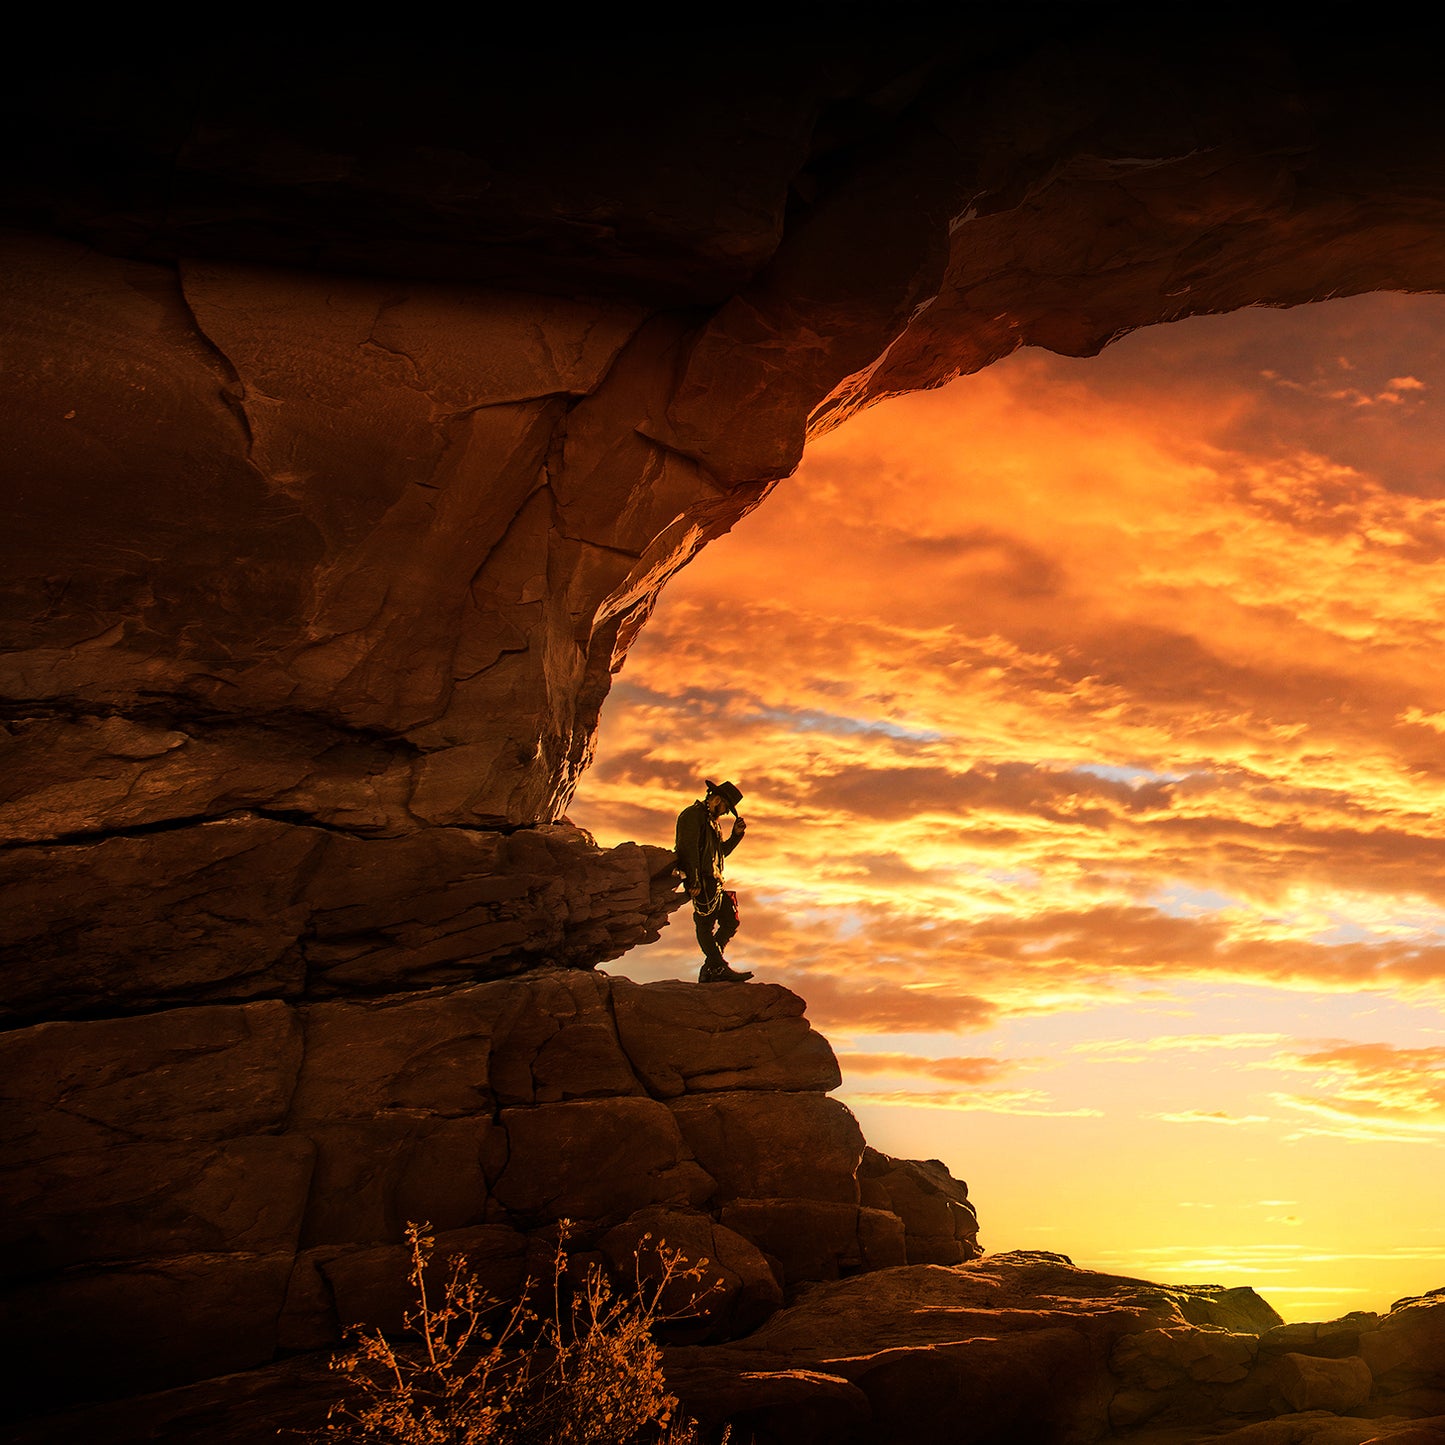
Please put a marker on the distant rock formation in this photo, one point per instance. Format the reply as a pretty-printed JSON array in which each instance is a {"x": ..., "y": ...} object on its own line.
[{"x": 1025, "y": 1347}]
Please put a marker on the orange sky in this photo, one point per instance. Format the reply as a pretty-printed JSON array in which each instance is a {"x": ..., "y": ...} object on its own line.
[{"x": 1091, "y": 717}]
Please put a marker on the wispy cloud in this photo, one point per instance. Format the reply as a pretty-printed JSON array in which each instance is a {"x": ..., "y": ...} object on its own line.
[
  {"x": 950, "y": 1070},
  {"x": 1174, "y": 1044},
  {"x": 982, "y": 1101},
  {"x": 1370, "y": 1093},
  {"x": 1216, "y": 1116}
]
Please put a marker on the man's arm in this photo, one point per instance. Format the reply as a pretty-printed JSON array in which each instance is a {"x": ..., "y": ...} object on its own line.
[{"x": 735, "y": 837}]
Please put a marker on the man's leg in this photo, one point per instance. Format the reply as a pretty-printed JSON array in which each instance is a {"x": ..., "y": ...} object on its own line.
[
  {"x": 727, "y": 921},
  {"x": 720, "y": 927},
  {"x": 714, "y": 964}
]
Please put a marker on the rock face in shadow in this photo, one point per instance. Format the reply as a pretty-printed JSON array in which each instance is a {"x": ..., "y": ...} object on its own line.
[
  {"x": 194, "y": 1190},
  {"x": 357, "y": 410},
  {"x": 1020, "y": 1347},
  {"x": 255, "y": 907},
  {"x": 1026, "y": 1347}
]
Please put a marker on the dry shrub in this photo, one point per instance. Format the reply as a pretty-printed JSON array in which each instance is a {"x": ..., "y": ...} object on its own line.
[{"x": 567, "y": 1364}]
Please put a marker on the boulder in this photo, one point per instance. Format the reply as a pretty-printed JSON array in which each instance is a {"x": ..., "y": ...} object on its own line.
[
  {"x": 556, "y": 1040},
  {"x": 759, "y": 1146},
  {"x": 1329, "y": 1339},
  {"x": 1406, "y": 1356},
  {"x": 814, "y": 1239},
  {"x": 596, "y": 1159},
  {"x": 1308, "y": 1382},
  {"x": 1026, "y": 1346},
  {"x": 975, "y": 1353},
  {"x": 734, "y": 1289},
  {"x": 939, "y": 1221},
  {"x": 721, "y": 1039}
]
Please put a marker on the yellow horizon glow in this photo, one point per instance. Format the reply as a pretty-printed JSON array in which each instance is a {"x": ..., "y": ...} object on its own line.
[{"x": 1091, "y": 721}]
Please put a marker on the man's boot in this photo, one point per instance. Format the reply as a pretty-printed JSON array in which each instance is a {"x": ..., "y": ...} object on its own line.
[{"x": 722, "y": 973}]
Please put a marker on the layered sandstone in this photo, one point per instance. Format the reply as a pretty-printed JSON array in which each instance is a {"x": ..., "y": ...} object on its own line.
[
  {"x": 252, "y": 907},
  {"x": 357, "y": 410},
  {"x": 358, "y": 407},
  {"x": 196, "y": 1190}
]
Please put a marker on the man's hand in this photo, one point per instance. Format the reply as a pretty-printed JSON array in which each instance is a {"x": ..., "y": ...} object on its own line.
[{"x": 740, "y": 826}]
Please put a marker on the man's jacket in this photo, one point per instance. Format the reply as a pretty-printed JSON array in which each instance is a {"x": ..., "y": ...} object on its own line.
[{"x": 700, "y": 847}]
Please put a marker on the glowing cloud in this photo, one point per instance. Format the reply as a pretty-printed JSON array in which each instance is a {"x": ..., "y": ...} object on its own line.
[{"x": 1076, "y": 686}]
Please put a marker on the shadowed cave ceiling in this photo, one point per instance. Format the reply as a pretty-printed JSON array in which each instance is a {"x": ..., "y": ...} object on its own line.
[{"x": 360, "y": 405}]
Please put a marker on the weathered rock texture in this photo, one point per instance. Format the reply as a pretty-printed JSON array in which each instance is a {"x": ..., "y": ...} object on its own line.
[
  {"x": 1013, "y": 1349},
  {"x": 357, "y": 407},
  {"x": 359, "y": 403},
  {"x": 193, "y": 1190},
  {"x": 1025, "y": 1347},
  {"x": 250, "y": 907}
]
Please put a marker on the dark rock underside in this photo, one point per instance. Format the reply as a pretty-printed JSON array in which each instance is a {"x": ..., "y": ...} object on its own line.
[{"x": 358, "y": 404}]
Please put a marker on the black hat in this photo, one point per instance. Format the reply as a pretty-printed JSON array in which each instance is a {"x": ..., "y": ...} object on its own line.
[{"x": 730, "y": 793}]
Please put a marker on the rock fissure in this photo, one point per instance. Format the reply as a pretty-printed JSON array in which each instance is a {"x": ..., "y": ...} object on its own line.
[
  {"x": 233, "y": 393},
  {"x": 320, "y": 390}
]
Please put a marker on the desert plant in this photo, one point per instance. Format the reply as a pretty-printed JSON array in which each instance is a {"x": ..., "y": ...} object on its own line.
[{"x": 568, "y": 1363}]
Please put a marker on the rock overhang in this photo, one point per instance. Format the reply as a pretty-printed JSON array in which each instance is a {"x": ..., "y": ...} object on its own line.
[{"x": 364, "y": 408}]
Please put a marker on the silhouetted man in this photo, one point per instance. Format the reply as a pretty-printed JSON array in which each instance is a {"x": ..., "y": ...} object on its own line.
[{"x": 701, "y": 849}]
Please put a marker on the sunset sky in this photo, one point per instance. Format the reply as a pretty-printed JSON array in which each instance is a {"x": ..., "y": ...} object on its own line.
[{"x": 1091, "y": 721}]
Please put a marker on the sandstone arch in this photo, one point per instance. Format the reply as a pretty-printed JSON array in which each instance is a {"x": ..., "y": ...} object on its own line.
[{"x": 359, "y": 410}]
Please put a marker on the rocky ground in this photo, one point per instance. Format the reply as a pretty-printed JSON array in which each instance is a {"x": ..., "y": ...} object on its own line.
[
  {"x": 210, "y": 1209},
  {"x": 197, "y": 1191}
]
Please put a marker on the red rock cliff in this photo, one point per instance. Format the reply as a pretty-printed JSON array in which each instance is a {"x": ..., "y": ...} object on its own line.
[{"x": 358, "y": 405}]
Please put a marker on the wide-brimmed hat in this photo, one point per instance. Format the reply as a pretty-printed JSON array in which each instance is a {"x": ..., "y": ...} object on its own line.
[{"x": 730, "y": 793}]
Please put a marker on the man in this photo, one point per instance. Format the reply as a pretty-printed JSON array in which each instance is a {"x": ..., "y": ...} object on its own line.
[{"x": 701, "y": 849}]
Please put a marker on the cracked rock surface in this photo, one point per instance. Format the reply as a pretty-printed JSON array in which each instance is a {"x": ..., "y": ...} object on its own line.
[
  {"x": 1025, "y": 1346},
  {"x": 194, "y": 1190},
  {"x": 357, "y": 409}
]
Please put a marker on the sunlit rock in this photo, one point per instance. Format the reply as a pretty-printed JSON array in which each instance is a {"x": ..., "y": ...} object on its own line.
[
  {"x": 938, "y": 1217},
  {"x": 721, "y": 1039}
]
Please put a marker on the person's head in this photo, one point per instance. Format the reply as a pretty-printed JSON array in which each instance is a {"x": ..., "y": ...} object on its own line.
[{"x": 722, "y": 797}]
